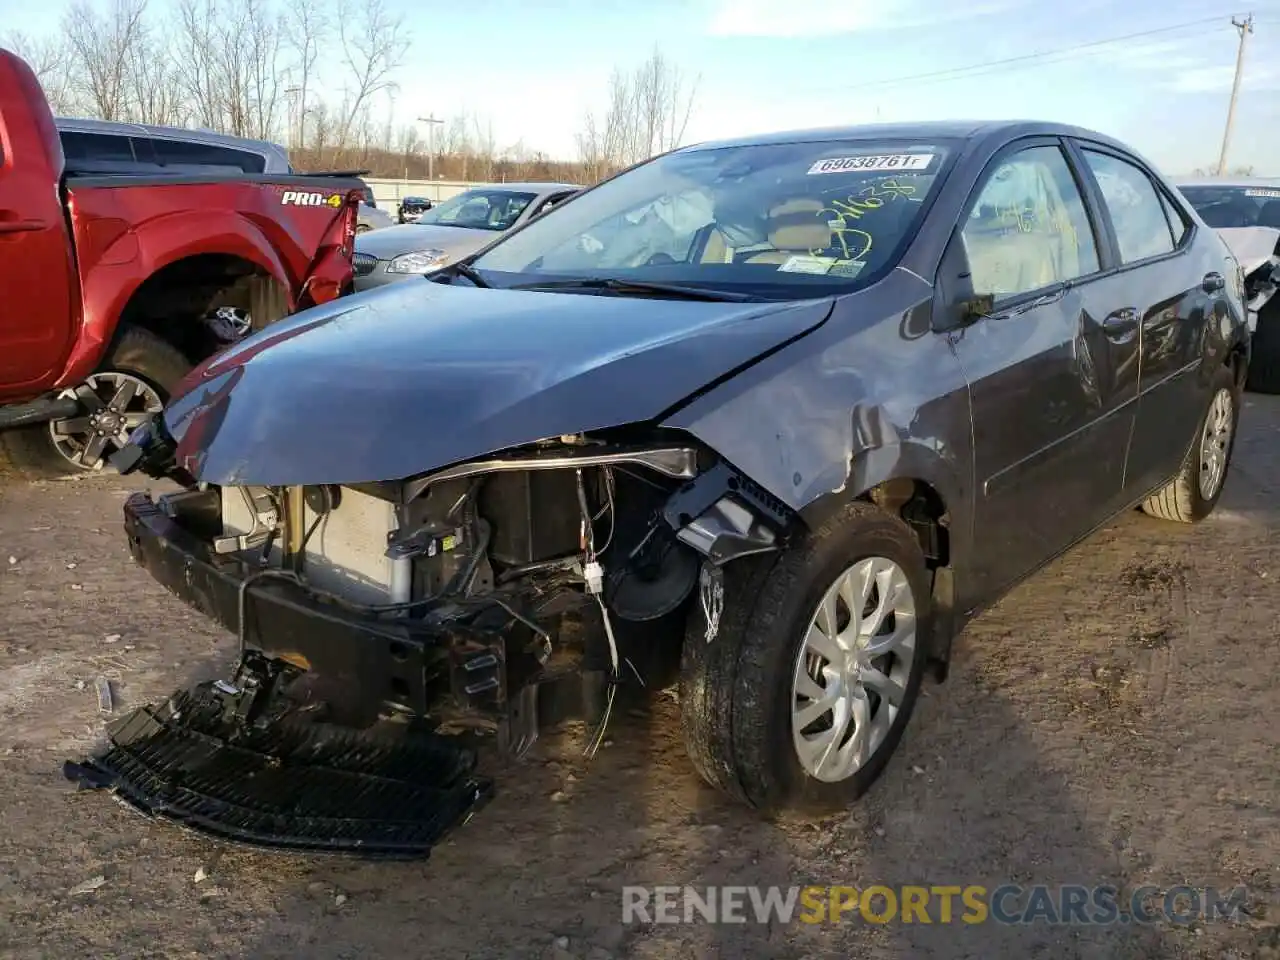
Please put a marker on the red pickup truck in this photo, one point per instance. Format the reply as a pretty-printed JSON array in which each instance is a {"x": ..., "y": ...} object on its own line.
[{"x": 111, "y": 288}]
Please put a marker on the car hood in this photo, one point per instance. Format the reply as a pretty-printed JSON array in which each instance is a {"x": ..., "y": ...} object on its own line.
[
  {"x": 408, "y": 237},
  {"x": 419, "y": 375},
  {"x": 1252, "y": 246}
]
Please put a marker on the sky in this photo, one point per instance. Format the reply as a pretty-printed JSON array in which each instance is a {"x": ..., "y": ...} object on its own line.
[{"x": 534, "y": 67}]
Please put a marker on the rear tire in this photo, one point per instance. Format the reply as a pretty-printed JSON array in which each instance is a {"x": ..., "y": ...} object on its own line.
[
  {"x": 138, "y": 353},
  {"x": 1185, "y": 499},
  {"x": 741, "y": 693},
  {"x": 1264, "y": 365}
]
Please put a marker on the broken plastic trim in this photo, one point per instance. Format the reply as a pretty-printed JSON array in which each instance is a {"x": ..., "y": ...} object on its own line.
[
  {"x": 218, "y": 760},
  {"x": 151, "y": 449},
  {"x": 724, "y": 515}
]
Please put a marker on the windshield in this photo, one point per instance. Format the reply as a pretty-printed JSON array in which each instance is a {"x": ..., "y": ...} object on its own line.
[
  {"x": 1235, "y": 206},
  {"x": 780, "y": 220},
  {"x": 480, "y": 209}
]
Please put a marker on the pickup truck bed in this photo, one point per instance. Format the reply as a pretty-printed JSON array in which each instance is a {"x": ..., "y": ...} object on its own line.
[{"x": 113, "y": 287}]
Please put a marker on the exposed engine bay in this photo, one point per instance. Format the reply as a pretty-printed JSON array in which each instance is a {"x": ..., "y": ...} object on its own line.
[
  {"x": 491, "y": 597},
  {"x": 388, "y": 629}
]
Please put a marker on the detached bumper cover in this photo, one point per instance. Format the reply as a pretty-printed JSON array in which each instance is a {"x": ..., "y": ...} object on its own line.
[{"x": 288, "y": 784}]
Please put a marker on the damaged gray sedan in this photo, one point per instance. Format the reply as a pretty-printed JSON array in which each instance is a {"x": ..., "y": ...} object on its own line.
[{"x": 769, "y": 418}]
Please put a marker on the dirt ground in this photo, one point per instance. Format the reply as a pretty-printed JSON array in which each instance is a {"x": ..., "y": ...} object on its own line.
[{"x": 1115, "y": 720}]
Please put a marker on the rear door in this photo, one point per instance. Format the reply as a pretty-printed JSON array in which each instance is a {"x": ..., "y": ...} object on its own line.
[
  {"x": 1172, "y": 292},
  {"x": 1051, "y": 392}
]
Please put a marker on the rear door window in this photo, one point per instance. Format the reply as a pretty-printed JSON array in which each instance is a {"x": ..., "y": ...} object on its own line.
[
  {"x": 96, "y": 146},
  {"x": 180, "y": 153},
  {"x": 1177, "y": 220},
  {"x": 1135, "y": 206}
]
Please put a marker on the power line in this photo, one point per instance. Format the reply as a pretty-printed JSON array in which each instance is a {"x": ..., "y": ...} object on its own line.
[{"x": 977, "y": 69}]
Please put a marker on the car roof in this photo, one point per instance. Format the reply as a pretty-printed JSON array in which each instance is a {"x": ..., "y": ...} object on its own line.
[
  {"x": 923, "y": 130},
  {"x": 1226, "y": 180},
  {"x": 528, "y": 186},
  {"x": 87, "y": 125}
]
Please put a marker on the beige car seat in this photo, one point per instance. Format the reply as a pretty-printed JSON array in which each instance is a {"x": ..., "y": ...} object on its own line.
[{"x": 795, "y": 227}]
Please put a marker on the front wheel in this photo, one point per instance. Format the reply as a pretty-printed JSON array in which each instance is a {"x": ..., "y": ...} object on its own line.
[
  {"x": 798, "y": 700},
  {"x": 134, "y": 383},
  {"x": 1191, "y": 495}
]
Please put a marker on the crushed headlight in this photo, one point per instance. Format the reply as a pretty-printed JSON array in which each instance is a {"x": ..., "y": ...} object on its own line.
[{"x": 420, "y": 261}]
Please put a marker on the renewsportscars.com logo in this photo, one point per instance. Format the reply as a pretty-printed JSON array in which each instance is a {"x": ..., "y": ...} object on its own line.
[{"x": 1009, "y": 904}]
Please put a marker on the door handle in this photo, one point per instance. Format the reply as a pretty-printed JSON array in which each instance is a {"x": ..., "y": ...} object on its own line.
[
  {"x": 1213, "y": 282},
  {"x": 9, "y": 223}
]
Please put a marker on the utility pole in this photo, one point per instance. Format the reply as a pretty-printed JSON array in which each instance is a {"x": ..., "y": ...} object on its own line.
[
  {"x": 1244, "y": 28},
  {"x": 431, "y": 123}
]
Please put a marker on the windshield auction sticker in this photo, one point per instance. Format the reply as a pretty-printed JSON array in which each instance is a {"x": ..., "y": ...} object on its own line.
[
  {"x": 1262, "y": 193},
  {"x": 884, "y": 161}
]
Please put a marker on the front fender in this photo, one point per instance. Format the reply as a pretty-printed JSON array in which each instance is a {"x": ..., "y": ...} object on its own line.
[{"x": 871, "y": 395}]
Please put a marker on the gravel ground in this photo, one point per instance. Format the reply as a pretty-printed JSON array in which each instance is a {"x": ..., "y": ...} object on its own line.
[{"x": 1113, "y": 721}]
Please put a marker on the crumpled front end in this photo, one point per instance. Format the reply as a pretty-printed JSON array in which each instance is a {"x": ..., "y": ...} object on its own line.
[{"x": 479, "y": 603}]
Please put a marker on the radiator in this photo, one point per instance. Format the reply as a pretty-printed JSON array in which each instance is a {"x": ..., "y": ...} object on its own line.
[{"x": 346, "y": 553}]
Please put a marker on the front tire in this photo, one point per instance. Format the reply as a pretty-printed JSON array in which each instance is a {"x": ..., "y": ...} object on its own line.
[
  {"x": 145, "y": 367},
  {"x": 1191, "y": 495},
  {"x": 798, "y": 701}
]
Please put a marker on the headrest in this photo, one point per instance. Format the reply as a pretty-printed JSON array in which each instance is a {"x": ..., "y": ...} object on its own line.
[{"x": 799, "y": 225}]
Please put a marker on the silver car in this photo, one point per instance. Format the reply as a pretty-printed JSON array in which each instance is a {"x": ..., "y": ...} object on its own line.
[
  {"x": 451, "y": 230},
  {"x": 111, "y": 147}
]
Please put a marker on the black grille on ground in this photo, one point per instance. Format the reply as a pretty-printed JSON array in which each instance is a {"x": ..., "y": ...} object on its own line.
[
  {"x": 363, "y": 264},
  {"x": 291, "y": 784}
]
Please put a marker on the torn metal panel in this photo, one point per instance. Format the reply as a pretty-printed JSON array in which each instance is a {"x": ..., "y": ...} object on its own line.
[{"x": 848, "y": 406}]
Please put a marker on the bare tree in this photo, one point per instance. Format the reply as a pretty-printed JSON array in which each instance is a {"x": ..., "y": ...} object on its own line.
[
  {"x": 663, "y": 103},
  {"x": 154, "y": 84},
  {"x": 104, "y": 45},
  {"x": 485, "y": 148},
  {"x": 306, "y": 31},
  {"x": 373, "y": 44},
  {"x": 230, "y": 65},
  {"x": 50, "y": 58},
  {"x": 647, "y": 113}
]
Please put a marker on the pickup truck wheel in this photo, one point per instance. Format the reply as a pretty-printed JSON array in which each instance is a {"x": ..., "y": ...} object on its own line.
[
  {"x": 134, "y": 382},
  {"x": 800, "y": 697},
  {"x": 1193, "y": 493},
  {"x": 1264, "y": 364}
]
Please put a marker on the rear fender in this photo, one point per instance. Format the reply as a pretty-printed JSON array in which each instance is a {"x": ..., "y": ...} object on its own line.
[{"x": 115, "y": 261}]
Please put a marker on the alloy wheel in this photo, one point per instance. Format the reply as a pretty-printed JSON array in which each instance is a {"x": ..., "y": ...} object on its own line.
[
  {"x": 1215, "y": 442},
  {"x": 114, "y": 404},
  {"x": 851, "y": 673}
]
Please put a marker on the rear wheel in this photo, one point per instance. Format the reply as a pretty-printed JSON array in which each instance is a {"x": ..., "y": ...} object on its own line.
[
  {"x": 1194, "y": 492},
  {"x": 800, "y": 698},
  {"x": 135, "y": 382}
]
